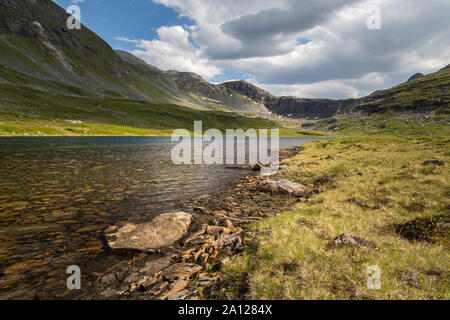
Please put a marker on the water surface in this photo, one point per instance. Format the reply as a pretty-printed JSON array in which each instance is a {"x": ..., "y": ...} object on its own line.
[{"x": 58, "y": 194}]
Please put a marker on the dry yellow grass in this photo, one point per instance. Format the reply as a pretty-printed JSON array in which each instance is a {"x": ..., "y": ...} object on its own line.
[{"x": 366, "y": 186}]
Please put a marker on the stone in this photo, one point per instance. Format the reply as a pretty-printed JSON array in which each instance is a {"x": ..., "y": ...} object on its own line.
[
  {"x": 203, "y": 258},
  {"x": 159, "y": 287},
  {"x": 162, "y": 231},
  {"x": 200, "y": 210},
  {"x": 227, "y": 224},
  {"x": 236, "y": 244},
  {"x": 219, "y": 213},
  {"x": 215, "y": 230},
  {"x": 346, "y": 239},
  {"x": 198, "y": 254},
  {"x": 144, "y": 285},
  {"x": 175, "y": 287},
  {"x": 433, "y": 162},
  {"x": 154, "y": 266},
  {"x": 227, "y": 240},
  {"x": 269, "y": 171},
  {"x": 181, "y": 271},
  {"x": 108, "y": 293},
  {"x": 183, "y": 295},
  {"x": 256, "y": 167},
  {"x": 108, "y": 279},
  {"x": 204, "y": 198},
  {"x": 204, "y": 281},
  {"x": 285, "y": 186},
  {"x": 196, "y": 234}
]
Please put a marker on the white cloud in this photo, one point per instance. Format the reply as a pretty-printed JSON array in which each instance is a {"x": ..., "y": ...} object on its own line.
[
  {"x": 174, "y": 51},
  {"x": 343, "y": 58}
]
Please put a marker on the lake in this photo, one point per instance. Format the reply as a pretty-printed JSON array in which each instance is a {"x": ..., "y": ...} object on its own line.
[{"x": 58, "y": 194}]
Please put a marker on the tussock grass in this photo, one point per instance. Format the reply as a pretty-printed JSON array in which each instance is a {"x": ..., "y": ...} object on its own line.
[{"x": 372, "y": 184}]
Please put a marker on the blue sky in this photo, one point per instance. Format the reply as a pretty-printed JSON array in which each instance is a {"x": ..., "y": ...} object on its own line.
[
  {"x": 309, "y": 49},
  {"x": 134, "y": 19}
]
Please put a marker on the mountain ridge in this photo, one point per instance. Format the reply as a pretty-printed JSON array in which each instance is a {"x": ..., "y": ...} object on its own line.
[{"x": 49, "y": 71}]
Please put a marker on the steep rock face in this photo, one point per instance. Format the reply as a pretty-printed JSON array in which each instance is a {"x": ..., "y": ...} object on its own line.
[
  {"x": 425, "y": 93},
  {"x": 310, "y": 108},
  {"x": 290, "y": 106}
]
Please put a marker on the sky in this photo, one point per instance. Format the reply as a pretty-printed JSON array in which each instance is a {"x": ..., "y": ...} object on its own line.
[{"x": 310, "y": 49}]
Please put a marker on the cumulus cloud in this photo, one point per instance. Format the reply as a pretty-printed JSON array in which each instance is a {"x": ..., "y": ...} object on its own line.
[
  {"x": 342, "y": 57},
  {"x": 174, "y": 51}
]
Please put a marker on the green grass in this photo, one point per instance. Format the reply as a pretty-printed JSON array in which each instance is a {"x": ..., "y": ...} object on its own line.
[
  {"x": 26, "y": 111},
  {"x": 385, "y": 174}
]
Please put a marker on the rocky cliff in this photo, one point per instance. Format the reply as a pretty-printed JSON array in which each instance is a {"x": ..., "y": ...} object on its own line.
[
  {"x": 421, "y": 93},
  {"x": 290, "y": 106}
]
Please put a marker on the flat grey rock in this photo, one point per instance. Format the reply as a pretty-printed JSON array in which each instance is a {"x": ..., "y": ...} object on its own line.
[
  {"x": 162, "y": 231},
  {"x": 286, "y": 186}
]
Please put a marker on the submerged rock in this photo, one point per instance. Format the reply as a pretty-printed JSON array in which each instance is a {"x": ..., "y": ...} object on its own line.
[{"x": 162, "y": 231}]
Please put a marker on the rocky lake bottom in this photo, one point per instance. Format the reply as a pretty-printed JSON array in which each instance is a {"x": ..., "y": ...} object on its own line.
[{"x": 59, "y": 194}]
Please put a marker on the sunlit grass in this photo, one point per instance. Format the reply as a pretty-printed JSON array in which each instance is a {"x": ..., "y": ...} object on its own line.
[{"x": 386, "y": 177}]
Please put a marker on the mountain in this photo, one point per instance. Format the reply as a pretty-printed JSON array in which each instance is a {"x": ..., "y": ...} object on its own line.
[
  {"x": 290, "y": 106},
  {"x": 430, "y": 92},
  {"x": 36, "y": 46},
  {"x": 59, "y": 81}
]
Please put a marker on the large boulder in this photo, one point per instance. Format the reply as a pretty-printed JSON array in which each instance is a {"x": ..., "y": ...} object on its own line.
[{"x": 162, "y": 231}]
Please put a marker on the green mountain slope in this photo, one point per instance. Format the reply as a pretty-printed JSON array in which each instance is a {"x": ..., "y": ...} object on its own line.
[
  {"x": 59, "y": 81},
  {"x": 420, "y": 106}
]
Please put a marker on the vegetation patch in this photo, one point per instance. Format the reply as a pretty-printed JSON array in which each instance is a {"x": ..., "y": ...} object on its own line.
[
  {"x": 432, "y": 229},
  {"x": 364, "y": 184}
]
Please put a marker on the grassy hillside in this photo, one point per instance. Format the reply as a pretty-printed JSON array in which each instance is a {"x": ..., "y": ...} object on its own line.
[
  {"x": 28, "y": 111},
  {"x": 418, "y": 107},
  {"x": 379, "y": 189},
  {"x": 51, "y": 76}
]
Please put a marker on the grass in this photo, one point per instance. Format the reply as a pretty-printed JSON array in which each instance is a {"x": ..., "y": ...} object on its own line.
[
  {"x": 27, "y": 111},
  {"x": 367, "y": 187}
]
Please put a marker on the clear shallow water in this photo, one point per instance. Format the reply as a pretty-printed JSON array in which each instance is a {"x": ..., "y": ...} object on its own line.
[{"x": 58, "y": 194}]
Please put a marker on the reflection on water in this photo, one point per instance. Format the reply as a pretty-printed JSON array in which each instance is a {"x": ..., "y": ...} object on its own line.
[{"x": 57, "y": 195}]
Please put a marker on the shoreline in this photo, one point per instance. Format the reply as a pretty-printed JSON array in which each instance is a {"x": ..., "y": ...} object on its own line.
[
  {"x": 149, "y": 136},
  {"x": 250, "y": 241},
  {"x": 219, "y": 230}
]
